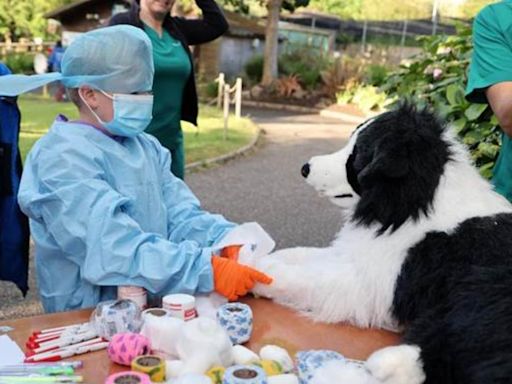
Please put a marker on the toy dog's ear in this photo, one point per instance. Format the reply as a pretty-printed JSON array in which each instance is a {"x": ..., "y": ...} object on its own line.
[{"x": 389, "y": 162}]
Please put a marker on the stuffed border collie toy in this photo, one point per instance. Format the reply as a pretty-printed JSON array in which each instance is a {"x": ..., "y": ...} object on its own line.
[{"x": 426, "y": 248}]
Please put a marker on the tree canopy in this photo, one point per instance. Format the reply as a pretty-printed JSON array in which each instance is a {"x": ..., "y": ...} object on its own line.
[
  {"x": 25, "y": 18},
  {"x": 398, "y": 10}
]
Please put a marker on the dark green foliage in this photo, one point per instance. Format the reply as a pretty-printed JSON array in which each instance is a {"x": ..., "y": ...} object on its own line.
[
  {"x": 437, "y": 77},
  {"x": 20, "y": 63},
  {"x": 376, "y": 74},
  {"x": 307, "y": 64},
  {"x": 254, "y": 68}
]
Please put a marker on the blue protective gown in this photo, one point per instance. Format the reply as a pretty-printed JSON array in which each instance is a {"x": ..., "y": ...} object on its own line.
[{"x": 106, "y": 212}]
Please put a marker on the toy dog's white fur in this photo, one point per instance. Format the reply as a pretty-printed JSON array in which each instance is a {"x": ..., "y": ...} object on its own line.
[{"x": 355, "y": 279}]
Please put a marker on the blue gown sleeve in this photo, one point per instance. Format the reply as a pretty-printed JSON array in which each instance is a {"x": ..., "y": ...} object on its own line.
[
  {"x": 187, "y": 221},
  {"x": 86, "y": 218}
]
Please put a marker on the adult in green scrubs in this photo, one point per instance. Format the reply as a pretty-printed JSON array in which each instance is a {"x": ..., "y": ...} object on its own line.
[
  {"x": 172, "y": 69},
  {"x": 174, "y": 88},
  {"x": 490, "y": 80}
]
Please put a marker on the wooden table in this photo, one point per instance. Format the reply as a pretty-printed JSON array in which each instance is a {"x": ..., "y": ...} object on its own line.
[{"x": 273, "y": 324}]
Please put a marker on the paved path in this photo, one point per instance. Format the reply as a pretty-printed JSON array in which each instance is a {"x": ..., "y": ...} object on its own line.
[
  {"x": 263, "y": 186},
  {"x": 267, "y": 186}
]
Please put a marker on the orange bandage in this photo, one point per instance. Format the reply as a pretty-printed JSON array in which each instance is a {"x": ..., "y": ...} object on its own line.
[{"x": 233, "y": 280}]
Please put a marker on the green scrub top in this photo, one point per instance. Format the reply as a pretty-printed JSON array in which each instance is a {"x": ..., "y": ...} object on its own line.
[
  {"x": 492, "y": 63},
  {"x": 172, "y": 69}
]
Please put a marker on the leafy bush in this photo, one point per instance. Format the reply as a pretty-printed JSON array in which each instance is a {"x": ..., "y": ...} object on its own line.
[
  {"x": 367, "y": 97},
  {"x": 254, "y": 69},
  {"x": 20, "y": 62},
  {"x": 437, "y": 78},
  {"x": 375, "y": 74},
  {"x": 212, "y": 89},
  {"x": 306, "y": 64}
]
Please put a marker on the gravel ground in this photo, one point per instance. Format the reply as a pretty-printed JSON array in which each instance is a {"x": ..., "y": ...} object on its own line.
[{"x": 264, "y": 186}]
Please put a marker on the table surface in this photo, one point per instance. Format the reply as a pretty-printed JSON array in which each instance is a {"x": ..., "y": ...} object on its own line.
[{"x": 273, "y": 324}]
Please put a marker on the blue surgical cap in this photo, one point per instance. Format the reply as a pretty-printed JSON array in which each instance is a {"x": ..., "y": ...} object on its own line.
[{"x": 114, "y": 59}]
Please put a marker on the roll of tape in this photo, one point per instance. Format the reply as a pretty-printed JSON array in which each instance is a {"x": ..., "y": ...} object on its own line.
[
  {"x": 128, "y": 377},
  {"x": 309, "y": 361},
  {"x": 216, "y": 374},
  {"x": 124, "y": 347},
  {"x": 236, "y": 319},
  {"x": 180, "y": 305},
  {"x": 244, "y": 374},
  {"x": 271, "y": 367},
  {"x": 116, "y": 316},
  {"x": 155, "y": 313},
  {"x": 153, "y": 366}
]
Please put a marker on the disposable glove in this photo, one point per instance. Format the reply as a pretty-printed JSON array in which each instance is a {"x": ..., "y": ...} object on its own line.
[
  {"x": 230, "y": 252},
  {"x": 233, "y": 280}
]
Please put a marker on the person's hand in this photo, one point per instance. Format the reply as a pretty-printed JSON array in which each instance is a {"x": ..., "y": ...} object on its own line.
[
  {"x": 233, "y": 280},
  {"x": 231, "y": 252}
]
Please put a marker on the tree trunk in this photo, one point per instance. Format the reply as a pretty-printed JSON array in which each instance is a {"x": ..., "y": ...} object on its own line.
[{"x": 271, "y": 42}]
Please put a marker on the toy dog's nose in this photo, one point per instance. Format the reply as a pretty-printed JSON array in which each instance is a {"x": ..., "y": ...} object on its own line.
[{"x": 305, "y": 170}]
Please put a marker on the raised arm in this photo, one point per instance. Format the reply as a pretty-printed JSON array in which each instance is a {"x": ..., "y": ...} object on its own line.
[{"x": 198, "y": 31}]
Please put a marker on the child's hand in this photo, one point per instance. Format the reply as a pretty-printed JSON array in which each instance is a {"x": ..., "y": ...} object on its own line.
[
  {"x": 233, "y": 280},
  {"x": 230, "y": 252}
]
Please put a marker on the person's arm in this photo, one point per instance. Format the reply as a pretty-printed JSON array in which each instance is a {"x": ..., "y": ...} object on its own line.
[
  {"x": 499, "y": 97},
  {"x": 186, "y": 219},
  {"x": 198, "y": 31},
  {"x": 85, "y": 215},
  {"x": 490, "y": 75}
]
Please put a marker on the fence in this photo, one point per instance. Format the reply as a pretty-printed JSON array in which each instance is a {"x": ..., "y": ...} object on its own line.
[
  {"x": 224, "y": 99},
  {"x": 24, "y": 47}
]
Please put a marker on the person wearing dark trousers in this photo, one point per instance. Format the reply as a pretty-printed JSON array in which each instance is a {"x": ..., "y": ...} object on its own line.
[
  {"x": 14, "y": 231},
  {"x": 174, "y": 88}
]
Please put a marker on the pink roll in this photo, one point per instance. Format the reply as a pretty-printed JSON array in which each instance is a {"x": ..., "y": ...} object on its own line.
[
  {"x": 128, "y": 377},
  {"x": 124, "y": 347}
]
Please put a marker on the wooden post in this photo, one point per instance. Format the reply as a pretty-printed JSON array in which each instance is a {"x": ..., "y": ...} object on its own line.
[
  {"x": 363, "y": 40},
  {"x": 402, "y": 40},
  {"x": 238, "y": 97},
  {"x": 226, "y": 110},
  {"x": 220, "y": 89}
]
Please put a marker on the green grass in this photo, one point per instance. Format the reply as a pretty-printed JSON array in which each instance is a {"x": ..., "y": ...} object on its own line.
[{"x": 38, "y": 113}]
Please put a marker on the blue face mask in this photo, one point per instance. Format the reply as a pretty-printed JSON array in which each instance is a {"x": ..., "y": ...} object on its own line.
[{"x": 132, "y": 114}]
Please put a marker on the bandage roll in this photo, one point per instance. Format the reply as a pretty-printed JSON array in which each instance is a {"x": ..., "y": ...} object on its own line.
[
  {"x": 309, "y": 361},
  {"x": 276, "y": 353},
  {"x": 162, "y": 332},
  {"x": 180, "y": 306},
  {"x": 153, "y": 366},
  {"x": 244, "y": 356},
  {"x": 236, "y": 319},
  {"x": 244, "y": 374},
  {"x": 283, "y": 379},
  {"x": 155, "y": 312},
  {"x": 128, "y": 377},
  {"x": 192, "y": 378},
  {"x": 124, "y": 347},
  {"x": 116, "y": 316},
  {"x": 135, "y": 294}
]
